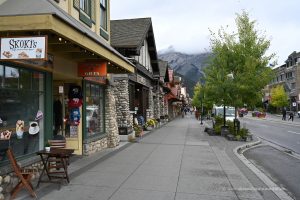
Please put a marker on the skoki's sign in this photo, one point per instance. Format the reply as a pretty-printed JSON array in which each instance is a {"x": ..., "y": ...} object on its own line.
[{"x": 14, "y": 48}]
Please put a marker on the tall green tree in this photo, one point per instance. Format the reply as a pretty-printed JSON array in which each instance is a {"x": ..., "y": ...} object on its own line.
[
  {"x": 279, "y": 97},
  {"x": 242, "y": 55},
  {"x": 196, "y": 101}
]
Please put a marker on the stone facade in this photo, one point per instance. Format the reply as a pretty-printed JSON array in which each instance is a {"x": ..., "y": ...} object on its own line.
[
  {"x": 111, "y": 123},
  {"x": 150, "y": 111},
  {"x": 9, "y": 180},
  {"x": 156, "y": 101},
  {"x": 166, "y": 108},
  {"x": 162, "y": 107},
  {"x": 121, "y": 94},
  {"x": 94, "y": 146}
]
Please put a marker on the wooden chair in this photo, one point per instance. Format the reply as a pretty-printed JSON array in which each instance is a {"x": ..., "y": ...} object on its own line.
[
  {"x": 24, "y": 177},
  {"x": 57, "y": 143},
  {"x": 53, "y": 161}
]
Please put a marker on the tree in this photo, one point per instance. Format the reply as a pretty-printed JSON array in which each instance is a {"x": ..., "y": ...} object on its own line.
[
  {"x": 196, "y": 98},
  {"x": 242, "y": 54},
  {"x": 279, "y": 98}
]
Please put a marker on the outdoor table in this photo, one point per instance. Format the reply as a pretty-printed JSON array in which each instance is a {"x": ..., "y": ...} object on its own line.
[{"x": 62, "y": 157}]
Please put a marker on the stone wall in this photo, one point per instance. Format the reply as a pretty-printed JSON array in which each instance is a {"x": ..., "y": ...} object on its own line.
[
  {"x": 111, "y": 124},
  {"x": 10, "y": 180},
  {"x": 166, "y": 108},
  {"x": 150, "y": 111},
  {"x": 94, "y": 146},
  {"x": 121, "y": 94},
  {"x": 162, "y": 106},
  {"x": 156, "y": 101}
]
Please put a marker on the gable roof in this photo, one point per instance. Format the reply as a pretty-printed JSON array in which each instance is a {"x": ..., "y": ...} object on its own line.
[
  {"x": 129, "y": 33},
  {"x": 163, "y": 66},
  {"x": 128, "y": 36}
]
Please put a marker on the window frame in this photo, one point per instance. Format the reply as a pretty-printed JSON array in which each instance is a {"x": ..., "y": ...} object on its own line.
[
  {"x": 103, "y": 8},
  {"x": 102, "y": 101},
  {"x": 42, "y": 93}
]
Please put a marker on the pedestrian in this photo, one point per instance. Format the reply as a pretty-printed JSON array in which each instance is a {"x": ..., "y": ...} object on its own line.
[
  {"x": 283, "y": 114},
  {"x": 291, "y": 116}
]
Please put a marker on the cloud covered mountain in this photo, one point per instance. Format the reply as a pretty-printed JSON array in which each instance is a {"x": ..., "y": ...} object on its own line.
[{"x": 188, "y": 66}]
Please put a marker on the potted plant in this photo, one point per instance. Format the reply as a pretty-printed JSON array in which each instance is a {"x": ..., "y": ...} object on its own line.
[
  {"x": 47, "y": 147},
  {"x": 138, "y": 130}
]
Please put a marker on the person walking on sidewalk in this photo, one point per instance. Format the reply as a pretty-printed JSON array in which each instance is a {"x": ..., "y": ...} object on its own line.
[
  {"x": 283, "y": 114},
  {"x": 291, "y": 116}
]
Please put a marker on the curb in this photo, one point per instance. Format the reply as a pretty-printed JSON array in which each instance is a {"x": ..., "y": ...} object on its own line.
[{"x": 238, "y": 151}]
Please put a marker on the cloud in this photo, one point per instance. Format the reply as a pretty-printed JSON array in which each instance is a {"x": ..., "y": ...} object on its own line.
[{"x": 185, "y": 24}]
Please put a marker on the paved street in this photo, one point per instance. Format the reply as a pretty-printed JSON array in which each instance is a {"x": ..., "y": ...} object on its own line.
[
  {"x": 178, "y": 161},
  {"x": 279, "y": 166},
  {"x": 284, "y": 169},
  {"x": 273, "y": 129}
]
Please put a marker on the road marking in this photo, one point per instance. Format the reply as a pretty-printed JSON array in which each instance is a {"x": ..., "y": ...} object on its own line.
[{"x": 294, "y": 132}]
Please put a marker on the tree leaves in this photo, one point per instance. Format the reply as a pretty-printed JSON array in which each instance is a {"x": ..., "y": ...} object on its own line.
[{"x": 244, "y": 55}]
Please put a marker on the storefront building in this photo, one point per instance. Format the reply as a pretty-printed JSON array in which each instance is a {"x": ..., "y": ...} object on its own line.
[
  {"x": 173, "y": 97},
  {"x": 134, "y": 39},
  {"x": 54, "y": 73}
]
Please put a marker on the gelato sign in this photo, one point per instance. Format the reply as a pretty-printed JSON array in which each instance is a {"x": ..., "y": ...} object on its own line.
[{"x": 23, "y": 48}]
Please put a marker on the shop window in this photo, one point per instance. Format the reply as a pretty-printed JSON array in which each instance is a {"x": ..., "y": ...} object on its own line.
[
  {"x": 94, "y": 109},
  {"x": 19, "y": 100},
  {"x": 11, "y": 78}
]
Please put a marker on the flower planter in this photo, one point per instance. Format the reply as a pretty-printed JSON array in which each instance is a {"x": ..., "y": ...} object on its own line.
[{"x": 148, "y": 128}]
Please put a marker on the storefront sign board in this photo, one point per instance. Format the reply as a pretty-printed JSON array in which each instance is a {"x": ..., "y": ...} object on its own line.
[
  {"x": 23, "y": 48},
  {"x": 92, "y": 69}
]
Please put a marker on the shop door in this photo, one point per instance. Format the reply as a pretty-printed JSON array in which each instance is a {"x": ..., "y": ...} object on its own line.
[{"x": 65, "y": 125}]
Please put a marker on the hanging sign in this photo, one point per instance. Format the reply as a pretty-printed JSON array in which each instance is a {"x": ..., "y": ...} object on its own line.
[
  {"x": 92, "y": 69},
  {"x": 23, "y": 48}
]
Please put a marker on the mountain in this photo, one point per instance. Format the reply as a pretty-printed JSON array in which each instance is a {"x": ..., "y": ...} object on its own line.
[{"x": 188, "y": 66}]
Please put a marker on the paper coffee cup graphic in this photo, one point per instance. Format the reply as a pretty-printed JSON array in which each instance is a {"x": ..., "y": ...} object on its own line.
[{"x": 38, "y": 53}]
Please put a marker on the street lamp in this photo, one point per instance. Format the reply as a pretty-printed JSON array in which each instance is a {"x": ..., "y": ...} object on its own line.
[{"x": 231, "y": 77}]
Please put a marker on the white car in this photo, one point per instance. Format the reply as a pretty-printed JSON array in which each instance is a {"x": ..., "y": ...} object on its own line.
[{"x": 230, "y": 112}]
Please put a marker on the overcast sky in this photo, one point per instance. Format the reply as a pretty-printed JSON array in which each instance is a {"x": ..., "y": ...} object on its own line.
[{"x": 185, "y": 24}]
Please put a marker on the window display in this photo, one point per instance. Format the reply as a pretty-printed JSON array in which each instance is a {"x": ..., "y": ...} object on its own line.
[
  {"x": 94, "y": 109},
  {"x": 21, "y": 97}
]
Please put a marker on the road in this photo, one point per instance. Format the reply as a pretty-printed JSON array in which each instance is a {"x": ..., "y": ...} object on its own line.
[
  {"x": 281, "y": 167},
  {"x": 273, "y": 129}
]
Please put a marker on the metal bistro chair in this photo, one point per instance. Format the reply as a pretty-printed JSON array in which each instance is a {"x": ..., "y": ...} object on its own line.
[{"x": 24, "y": 176}]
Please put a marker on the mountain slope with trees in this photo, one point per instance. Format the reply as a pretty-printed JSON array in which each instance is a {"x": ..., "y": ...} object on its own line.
[{"x": 188, "y": 66}]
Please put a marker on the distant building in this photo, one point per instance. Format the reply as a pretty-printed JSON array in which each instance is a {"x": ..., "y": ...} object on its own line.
[{"x": 287, "y": 75}]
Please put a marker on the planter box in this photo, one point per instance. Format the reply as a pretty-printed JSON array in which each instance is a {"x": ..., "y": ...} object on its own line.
[
  {"x": 248, "y": 138},
  {"x": 149, "y": 128},
  {"x": 211, "y": 131},
  {"x": 224, "y": 130}
]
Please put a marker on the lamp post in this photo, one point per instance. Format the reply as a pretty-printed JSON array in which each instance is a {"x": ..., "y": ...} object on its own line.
[{"x": 230, "y": 77}]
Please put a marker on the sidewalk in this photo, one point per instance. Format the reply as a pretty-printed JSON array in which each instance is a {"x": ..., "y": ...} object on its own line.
[{"x": 178, "y": 161}]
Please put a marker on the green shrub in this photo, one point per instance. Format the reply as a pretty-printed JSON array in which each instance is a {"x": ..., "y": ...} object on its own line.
[
  {"x": 217, "y": 130},
  {"x": 230, "y": 125},
  {"x": 238, "y": 137},
  {"x": 244, "y": 132},
  {"x": 218, "y": 120}
]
